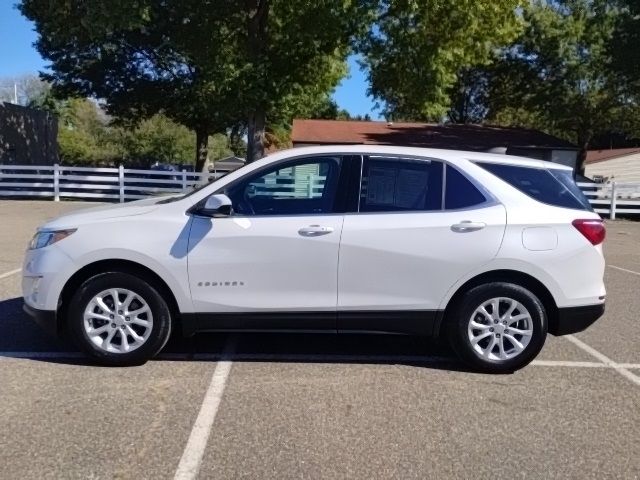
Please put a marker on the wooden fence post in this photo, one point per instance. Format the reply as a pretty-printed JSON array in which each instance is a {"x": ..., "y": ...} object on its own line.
[
  {"x": 184, "y": 180},
  {"x": 121, "y": 182},
  {"x": 612, "y": 210},
  {"x": 56, "y": 182}
]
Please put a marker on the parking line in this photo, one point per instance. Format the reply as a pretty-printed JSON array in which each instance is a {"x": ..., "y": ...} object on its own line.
[
  {"x": 191, "y": 460},
  {"x": 629, "y": 365},
  {"x": 568, "y": 363},
  {"x": 624, "y": 270},
  {"x": 8, "y": 274},
  {"x": 604, "y": 359}
]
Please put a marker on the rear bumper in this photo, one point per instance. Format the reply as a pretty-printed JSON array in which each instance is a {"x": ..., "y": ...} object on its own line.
[
  {"x": 46, "y": 319},
  {"x": 575, "y": 319}
]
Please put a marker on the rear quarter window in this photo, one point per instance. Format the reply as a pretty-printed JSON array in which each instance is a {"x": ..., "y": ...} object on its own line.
[
  {"x": 553, "y": 187},
  {"x": 460, "y": 192}
]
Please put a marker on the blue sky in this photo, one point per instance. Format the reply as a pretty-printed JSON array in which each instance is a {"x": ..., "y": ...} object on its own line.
[{"x": 18, "y": 57}]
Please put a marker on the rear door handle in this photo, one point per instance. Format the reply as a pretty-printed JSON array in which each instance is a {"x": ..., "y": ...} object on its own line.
[
  {"x": 315, "y": 231},
  {"x": 467, "y": 226}
]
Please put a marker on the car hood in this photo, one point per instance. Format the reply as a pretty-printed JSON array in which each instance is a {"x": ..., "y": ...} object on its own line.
[{"x": 91, "y": 215}]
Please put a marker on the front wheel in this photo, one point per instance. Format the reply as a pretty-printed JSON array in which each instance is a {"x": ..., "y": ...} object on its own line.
[
  {"x": 498, "y": 327},
  {"x": 119, "y": 319}
]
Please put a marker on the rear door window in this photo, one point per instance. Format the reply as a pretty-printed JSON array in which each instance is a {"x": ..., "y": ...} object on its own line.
[
  {"x": 553, "y": 187},
  {"x": 400, "y": 185}
]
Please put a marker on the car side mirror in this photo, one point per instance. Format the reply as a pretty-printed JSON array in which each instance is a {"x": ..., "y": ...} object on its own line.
[{"x": 218, "y": 205}]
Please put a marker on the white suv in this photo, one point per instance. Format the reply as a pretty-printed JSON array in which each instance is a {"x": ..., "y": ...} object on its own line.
[{"x": 492, "y": 251}]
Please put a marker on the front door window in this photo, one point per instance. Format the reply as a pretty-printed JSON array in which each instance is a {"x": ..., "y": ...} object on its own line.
[{"x": 302, "y": 187}]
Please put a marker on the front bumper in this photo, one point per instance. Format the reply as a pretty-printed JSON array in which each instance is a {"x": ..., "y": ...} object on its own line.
[
  {"x": 47, "y": 319},
  {"x": 575, "y": 319}
]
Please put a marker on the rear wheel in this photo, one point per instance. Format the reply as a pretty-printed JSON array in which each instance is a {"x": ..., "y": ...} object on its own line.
[
  {"x": 119, "y": 319},
  {"x": 498, "y": 327}
]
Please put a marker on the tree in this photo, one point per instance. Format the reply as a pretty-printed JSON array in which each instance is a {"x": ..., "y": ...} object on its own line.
[
  {"x": 557, "y": 75},
  {"x": 416, "y": 48},
  {"x": 626, "y": 39},
  {"x": 157, "y": 139},
  {"x": 469, "y": 96},
  {"x": 206, "y": 65},
  {"x": 142, "y": 59},
  {"x": 291, "y": 50},
  {"x": 30, "y": 89},
  {"x": 87, "y": 135},
  {"x": 83, "y": 136}
]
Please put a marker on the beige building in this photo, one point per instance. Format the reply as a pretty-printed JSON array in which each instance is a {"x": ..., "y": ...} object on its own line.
[{"x": 619, "y": 165}]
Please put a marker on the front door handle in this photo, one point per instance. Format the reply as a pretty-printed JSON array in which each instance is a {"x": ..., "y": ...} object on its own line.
[
  {"x": 467, "y": 226},
  {"x": 315, "y": 231}
]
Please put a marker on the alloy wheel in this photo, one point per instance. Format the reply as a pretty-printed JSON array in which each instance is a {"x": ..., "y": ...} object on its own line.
[
  {"x": 500, "y": 329},
  {"x": 118, "y": 320}
]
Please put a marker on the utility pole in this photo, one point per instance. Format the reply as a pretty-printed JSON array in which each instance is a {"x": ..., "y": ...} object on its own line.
[{"x": 15, "y": 93}]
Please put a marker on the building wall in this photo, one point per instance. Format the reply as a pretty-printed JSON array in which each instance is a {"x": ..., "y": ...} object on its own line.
[
  {"x": 621, "y": 169},
  {"x": 27, "y": 136}
]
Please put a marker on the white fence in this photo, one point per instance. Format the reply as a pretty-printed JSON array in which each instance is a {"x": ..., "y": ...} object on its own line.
[
  {"x": 613, "y": 199},
  {"x": 121, "y": 184},
  {"x": 94, "y": 183}
]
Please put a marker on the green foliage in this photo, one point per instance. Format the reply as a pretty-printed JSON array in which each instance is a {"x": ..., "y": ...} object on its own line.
[
  {"x": 82, "y": 134},
  {"x": 86, "y": 135},
  {"x": 416, "y": 48},
  {"x": 625, "y": 47},
  {"x": 207, "y": 65},
  {"x": 556, "y": 77},
  {"x": 157, "y": 139}
]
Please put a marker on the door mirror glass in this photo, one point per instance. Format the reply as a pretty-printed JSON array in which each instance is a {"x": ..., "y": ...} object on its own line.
[{"x": 218, "y": 205}]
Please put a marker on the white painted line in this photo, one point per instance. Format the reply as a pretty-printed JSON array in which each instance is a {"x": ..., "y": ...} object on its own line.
[
  {"x": 8, "y": 274},
  {"x": 624, "y": 270},
  {"x": 629, "y": 365},
  {"x": 604, "y": 359},
  {"x": 567, "y": 363},
  {"x": 191, "y": 460}
]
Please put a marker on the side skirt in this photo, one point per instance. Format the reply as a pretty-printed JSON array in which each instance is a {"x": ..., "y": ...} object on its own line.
[{"x": 413, "y": 322}]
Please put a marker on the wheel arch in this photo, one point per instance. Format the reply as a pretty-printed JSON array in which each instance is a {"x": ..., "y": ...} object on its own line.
[
  {"x": 511, "y": 276},
  {"x": 122, "y": 266}
]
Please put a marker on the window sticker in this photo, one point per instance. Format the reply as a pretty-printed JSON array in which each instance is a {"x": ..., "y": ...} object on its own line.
[
  {"x": 411, "y": 188},
  {"x": 381, "y": 185}
]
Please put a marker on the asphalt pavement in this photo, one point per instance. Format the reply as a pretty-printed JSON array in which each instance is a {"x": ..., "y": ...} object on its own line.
[{"x": 318, "y": 406}]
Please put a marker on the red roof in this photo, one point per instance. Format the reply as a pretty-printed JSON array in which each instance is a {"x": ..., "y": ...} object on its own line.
[
  {"x": 451, "y": 136},
  {"x": 595, "y": 156}
]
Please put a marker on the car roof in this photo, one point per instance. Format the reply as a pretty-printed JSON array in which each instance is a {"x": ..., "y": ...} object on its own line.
[{"x": 449, "y": 155}]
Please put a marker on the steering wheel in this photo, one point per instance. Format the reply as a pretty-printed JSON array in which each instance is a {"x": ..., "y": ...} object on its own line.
[{"x": 245, "y": 204}]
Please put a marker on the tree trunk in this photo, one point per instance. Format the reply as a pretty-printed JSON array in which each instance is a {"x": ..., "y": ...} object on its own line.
[
  {"x": 257, "y": 15},
  {"x": 202, "y": 150},
  {"x": 583, "y": 142},
  {"x": 255, "y": 136}
]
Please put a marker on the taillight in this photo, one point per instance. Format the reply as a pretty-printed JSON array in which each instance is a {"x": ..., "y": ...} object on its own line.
[{"x": 593, "y": 230}]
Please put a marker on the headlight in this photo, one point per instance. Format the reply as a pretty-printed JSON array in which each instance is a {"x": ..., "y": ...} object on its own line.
[{"x": 46, "y": 238}]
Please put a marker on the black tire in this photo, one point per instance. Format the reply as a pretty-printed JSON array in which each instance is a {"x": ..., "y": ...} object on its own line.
[
  {"x": 160, "y": 330},
  {"x": 460, "y": 316}
]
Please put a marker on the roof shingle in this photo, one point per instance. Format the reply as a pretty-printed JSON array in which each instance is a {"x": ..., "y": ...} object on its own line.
[{"x": 478, "y": 138}]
